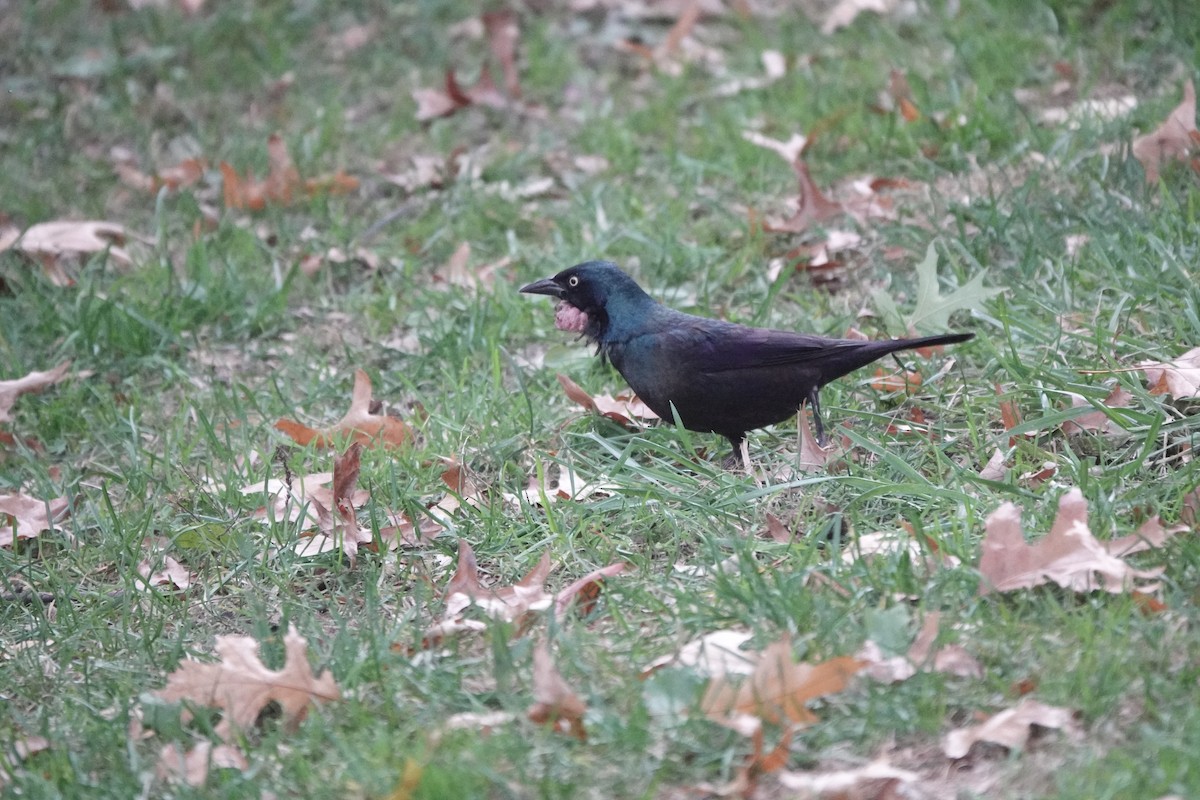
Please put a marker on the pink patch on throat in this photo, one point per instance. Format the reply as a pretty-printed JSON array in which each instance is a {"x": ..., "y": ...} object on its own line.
[{"x": 569, "y": 318}]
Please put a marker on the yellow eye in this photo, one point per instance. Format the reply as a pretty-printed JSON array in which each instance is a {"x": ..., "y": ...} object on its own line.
[{"x": 573, "y": 281}]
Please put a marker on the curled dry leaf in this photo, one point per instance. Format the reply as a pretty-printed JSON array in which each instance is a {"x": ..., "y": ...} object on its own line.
[
  {"x": 456, "y": 273},
  {"x": 812, "y": 207},
  {"x": 712, "y": 655},
  {"x": 777, "y": 691},
  {"x": 952, "y": 659},
  {"x": 33, "y": 382},
  {"x": 555, "y": 703},
  {"x": 359, "y": 424},
  {"x": 1069, "y": 555},
  {"x": 49, "y": 243},
  {"x": 241, "y": 686},
  {"x": 507, "y": 603},
  {"x": 169, "y": 574},
  {"x": 1011, "y": 728},
  {"x": 337, "y": 523},
  {"x": 583, "y": 593},
  {"x": 25, "y": 517},
  {"x": 1174, "y": 140},
  {"x": 569, "y": 485},
  {"x": 1179, "y": 378},
  {"x": 625, "y": 409}
]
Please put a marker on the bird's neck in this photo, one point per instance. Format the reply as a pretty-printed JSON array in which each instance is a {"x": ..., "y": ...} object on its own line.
[{"x": 623, "y": 317}]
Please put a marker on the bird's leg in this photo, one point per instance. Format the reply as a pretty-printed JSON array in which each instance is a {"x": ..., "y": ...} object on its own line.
[
  {"x": 814, "y": 403},
  {"x": 739, "y": 457}
]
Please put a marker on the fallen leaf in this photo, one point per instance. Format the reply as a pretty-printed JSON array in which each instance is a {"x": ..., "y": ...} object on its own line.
[
  {"x": 337, "y": 523},
  {"x": 582, "y": 594},
  {"x": 1174, "y": 140},
  {"x": 996, "y": 468},
  {"x": 359, "y": 424},
  {"x": 49, "y": 243},
  {"x": 1010, "y": 728},
  {"x": 569, "y": 485},
  {"x": 33, "y": 382},
  {"x": 791, "y": 150},
  {"x": 1069, "y": 555},
  {"x": 905, "y": 381},
  {"x": 455, "y": 273},
  {"x": 25, "y": 517},
  {"x": 169, "y": 574},
  {"x": 508, "y": 603},
  {"x": 241, "y": 686},
  {"x": 951, "y": 658},
  {"x": 555, "y": 703},
  {"x": 812, "y": 457},
  {"x": 812, "y": 207},
  {"x": 712, "y": 655},
  {"x": 1098, "y": 422},
  {"x": 933, "y": 309},
  {"x": 282, "y": 184},
  {"x": 777, "y": 690},
  {"x": 1179, "y": 378},
  {"x": 624, "y": 409},
  {"x": 503, "y": 33}
]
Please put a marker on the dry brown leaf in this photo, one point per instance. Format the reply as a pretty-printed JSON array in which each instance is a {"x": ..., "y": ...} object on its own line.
[
  {"x": 713, "y": 655},
  {"x": 812, "y": 457},
  {"x": 996, "y": 468},
  {"x": 192, "y": 767},
  {"x": 241, "y": 686},
  {"x": 169, "y": 574},
  {"x": 508, "y": 603},
  {"x": 1098, "y": 422},
  {"x": 455, "y": 273},
  {"x": 337, "y": 523},
  {"x": 791, "y": 150},
  {"x": 19, "y": 750},
  {"x": 1174, "y": 140},
  {"x": 282, "y": 184},
  {"x": 359, "y": 424},
  {"x": 812, "y": 206},
  {"x": 569, "y": 485},
  {"x": 1069, "y": 555},
  {"x": 33, "y": 382},
  {"x": 951, "y": 658},
  {"x": 1010, "y": 728},
  {"x": 583, "y": 593},
  {"x": 1179, "y": 378},
  {"x": 625, "y": 409},
  {"x": 555, "y": 703},
  {"x": 502, "y": 32},
  {"x": 777, "y": 690},
  {"x": 25, "y": 517}
]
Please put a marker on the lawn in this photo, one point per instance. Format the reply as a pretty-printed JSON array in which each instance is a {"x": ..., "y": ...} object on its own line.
[{"x": 293, "y": 193}]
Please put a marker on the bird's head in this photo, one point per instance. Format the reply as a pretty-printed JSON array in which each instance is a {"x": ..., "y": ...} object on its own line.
[{"x": 589, "y": 295}]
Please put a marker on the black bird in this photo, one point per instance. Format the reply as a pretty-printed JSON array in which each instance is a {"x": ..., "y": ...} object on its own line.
[{"x": 720, "y": 377}]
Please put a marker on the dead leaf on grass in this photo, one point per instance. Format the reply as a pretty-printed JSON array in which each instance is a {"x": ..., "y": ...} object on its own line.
[
  {"x": 777, "y": 691},
  {"x": 51, "y": 243},
  {"x": 337, "y": 523},
  {"x": 359, "y": 425},
  {"x": 33, "y": 382},
  {"x": 625, "y": 409},
  {"x": 241, "y": 686},
  {"x": 713, "y": 655},
  {"x": 1011, "y": 728},
  {"x": 1098, "y": 422},
  {"x": 1069, "y": 556},
  {"x": 283, "y": 183},
  {"x": 1174, "y": 140},
  {"x": 875, "y": 781},
  {"x": 25, "y": 517},
  {"x": 952, "y": 658},
  {"x": 456, "y": 274},
  {"x": 1179, "y": 378},
  {"x": 555, "y": 703},
  {"x": 846, "y": 11}
]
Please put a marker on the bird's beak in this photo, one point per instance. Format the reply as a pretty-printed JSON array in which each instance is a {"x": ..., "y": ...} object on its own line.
[{"x": 544, "y": 286}]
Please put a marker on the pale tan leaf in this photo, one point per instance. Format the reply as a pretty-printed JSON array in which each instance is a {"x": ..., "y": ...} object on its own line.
[
  {"x": 1069, "y": 555},
  {"x": 1098, "y": 422},
  {"x": 1171, "y": 141},
  {"x": 241, "y": 686},
  {"x": 875, "y": 781},
  {"x": 192, "y": 767},
  {"x": 33, "y": 382},
  {"x": 713, "y": 655},
  {"x": 1179, "y": 378},
  {"x": 25, "y": 517},
  {"x": 1010, "y": 728}
]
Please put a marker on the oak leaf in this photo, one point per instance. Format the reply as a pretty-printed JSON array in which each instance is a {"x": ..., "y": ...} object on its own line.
[
  {"x": 625, "y": 409},
  {"x": 192, "y": 767},
  {"x": 49, "y": 243},
  {"x": 337, "y": 523},
  {"x": 359, "y": 424},
  {"x": 241, "y": 686},
  {"x": 1069, "y": 555}
]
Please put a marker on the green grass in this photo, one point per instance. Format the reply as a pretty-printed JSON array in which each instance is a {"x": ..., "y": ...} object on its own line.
[{"x": 211, "y": 337}]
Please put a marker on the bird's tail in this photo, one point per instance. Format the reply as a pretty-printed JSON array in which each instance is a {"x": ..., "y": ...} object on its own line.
[{"x": 930, "y": 341}]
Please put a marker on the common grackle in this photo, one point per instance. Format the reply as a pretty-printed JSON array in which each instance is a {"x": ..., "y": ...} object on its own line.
[{"x": 720, "y": 377}]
